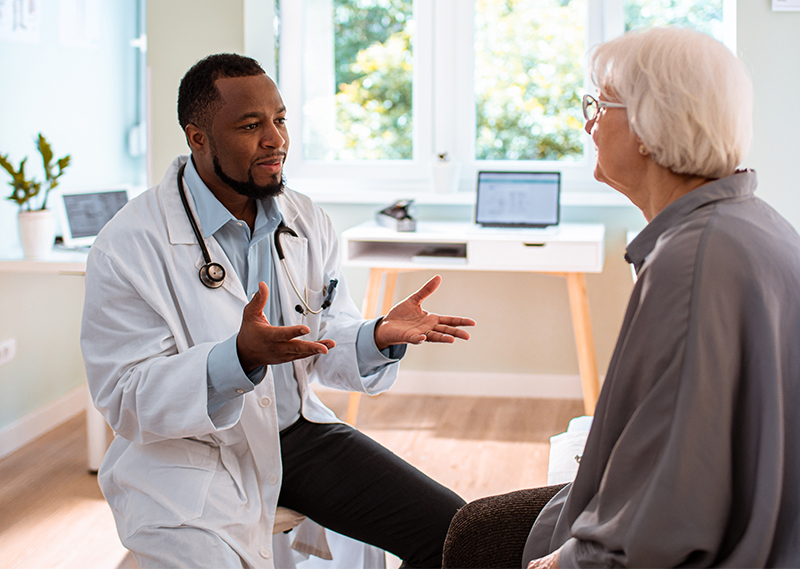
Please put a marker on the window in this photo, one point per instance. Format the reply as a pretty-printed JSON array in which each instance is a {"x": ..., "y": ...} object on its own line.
[
  {"x": 377, "y": 89},
  {"x": 360, "y": 105},
  {"x": 529, "y": 77}
]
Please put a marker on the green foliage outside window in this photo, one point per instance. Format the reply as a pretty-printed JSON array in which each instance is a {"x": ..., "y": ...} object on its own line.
[
  {"x": 701, "y": 15},
  {"x": 529, "y": 77},
  {"x": 373, "y": 59},
  {"x": 529, "y": 73}
]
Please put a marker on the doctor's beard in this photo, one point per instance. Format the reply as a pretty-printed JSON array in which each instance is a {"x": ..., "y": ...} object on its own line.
[{"x": 250, "y": 189}]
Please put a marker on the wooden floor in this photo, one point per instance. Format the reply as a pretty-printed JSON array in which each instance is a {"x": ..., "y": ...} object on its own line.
[{"x": 52, "y": 514}]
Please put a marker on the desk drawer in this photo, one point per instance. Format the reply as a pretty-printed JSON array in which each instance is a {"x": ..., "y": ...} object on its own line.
[{"x": 535, "y": 255}]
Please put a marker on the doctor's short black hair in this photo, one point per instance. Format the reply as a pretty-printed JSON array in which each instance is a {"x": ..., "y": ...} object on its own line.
[{"x": 198, "y": 97}]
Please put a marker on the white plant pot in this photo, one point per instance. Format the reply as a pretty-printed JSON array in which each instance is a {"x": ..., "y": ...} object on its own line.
[
  {"x": 37, "y": 231},
  {"x": 445, "y": 177}
]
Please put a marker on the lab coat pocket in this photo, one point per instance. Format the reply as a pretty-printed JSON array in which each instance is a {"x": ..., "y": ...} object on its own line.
[{"x": 164, "y": 483}]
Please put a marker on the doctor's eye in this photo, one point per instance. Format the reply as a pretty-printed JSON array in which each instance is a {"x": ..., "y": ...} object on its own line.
[{"x": 281, "y": 120}]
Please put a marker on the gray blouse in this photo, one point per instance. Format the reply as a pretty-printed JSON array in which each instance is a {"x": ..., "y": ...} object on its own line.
[{"x": 693, "y": 459}]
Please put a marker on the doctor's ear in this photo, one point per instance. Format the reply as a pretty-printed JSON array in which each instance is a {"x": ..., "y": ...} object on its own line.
[{"x": 196, "y": 138}]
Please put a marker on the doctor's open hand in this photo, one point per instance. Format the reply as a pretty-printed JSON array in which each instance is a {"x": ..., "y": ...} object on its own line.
[
  {"x": 408, "y": 323},
  {"x": 259, "y": 343}
]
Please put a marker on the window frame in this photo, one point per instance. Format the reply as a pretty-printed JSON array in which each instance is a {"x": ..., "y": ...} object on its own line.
[{"x": 443, "y": 122}]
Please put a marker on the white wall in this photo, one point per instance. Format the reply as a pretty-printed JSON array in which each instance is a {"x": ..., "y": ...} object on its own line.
[
  {"x": 523, "y": 322},
  {"x": 206, "y": 27},
  {"x": 83, "y": 100},
  {"x": 524, "y": 325},
  {"x": 769, "y": 44}
]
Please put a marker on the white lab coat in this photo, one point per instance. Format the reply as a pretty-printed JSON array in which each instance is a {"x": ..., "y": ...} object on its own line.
[{"x": 148, "y": 326}]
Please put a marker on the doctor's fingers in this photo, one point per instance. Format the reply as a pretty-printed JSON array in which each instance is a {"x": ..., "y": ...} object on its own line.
[
  {"x": 456, "y": 321},
  {"x": 451, "y": 331},
  {"x": 296, "y": 350},
  {"x": 426, "y": 290},
  {"x": 445, "y": 334},
  {"x": 285, "y": 333},
  {"x": 259, "y": 300}
]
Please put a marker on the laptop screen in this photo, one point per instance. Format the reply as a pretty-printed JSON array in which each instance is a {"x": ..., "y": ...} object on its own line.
[
  {"x": 518, "y": 199},
  {"x": 84, "y": 213}
]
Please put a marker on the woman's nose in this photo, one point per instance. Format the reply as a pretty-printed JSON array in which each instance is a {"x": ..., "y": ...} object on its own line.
[{"x": 589, "y": 125}]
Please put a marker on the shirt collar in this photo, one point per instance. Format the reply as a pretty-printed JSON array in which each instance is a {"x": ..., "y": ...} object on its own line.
[
  {"x": 739, "y": 185},
  {"x": 212, "y": 215}
]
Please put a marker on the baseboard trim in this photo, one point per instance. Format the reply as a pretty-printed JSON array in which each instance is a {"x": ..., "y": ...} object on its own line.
[
  {"x": 487, "y": 384},
  {"x": 21, "y": 432}
]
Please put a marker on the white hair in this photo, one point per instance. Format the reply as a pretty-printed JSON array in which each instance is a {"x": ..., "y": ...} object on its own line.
[{"x": 689, "y": 99}]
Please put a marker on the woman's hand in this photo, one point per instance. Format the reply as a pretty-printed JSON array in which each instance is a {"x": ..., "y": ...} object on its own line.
[{"x": 549, "y": 562}]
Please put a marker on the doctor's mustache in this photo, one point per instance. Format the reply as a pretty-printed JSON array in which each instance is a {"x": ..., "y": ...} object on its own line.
[{"x": 281, "y": 155}]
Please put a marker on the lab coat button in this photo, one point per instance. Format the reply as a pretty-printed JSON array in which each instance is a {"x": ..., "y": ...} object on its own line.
[
  {"x": 240, "y": 391},
  {"x": 265, "y": 553},
  {"x": 265, "y": 401},
  {"x": 272, "y": 479}
]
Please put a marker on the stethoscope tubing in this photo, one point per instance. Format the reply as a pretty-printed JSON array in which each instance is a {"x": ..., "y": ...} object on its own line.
[{"x": 213, "y": 275}]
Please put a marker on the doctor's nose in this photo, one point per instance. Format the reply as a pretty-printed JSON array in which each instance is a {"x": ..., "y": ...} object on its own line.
[{"x": 273, "y": 138}]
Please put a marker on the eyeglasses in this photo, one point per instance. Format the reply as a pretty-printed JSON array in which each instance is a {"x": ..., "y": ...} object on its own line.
[{"x": 591, "y": 107}]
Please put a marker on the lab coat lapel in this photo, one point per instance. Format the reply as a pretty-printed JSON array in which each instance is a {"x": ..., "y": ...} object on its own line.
[{"x": 180, "y": 230}]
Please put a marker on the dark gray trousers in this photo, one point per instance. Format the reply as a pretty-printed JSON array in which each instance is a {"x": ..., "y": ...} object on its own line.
[{"x": 346, "y": 482}]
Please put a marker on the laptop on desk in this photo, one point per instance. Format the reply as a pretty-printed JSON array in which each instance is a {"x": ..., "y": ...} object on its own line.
[
  {"x": 518, "y": 199},
  {"x": 83, "y": 213}
]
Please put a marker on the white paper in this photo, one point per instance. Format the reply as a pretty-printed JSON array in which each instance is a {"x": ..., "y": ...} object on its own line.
[
  {"x": 786, "y": 5},
  {"x": 20, "y": 21},
  {"x": 566, "y": 451},
  {"x": 79, "y": 23}
]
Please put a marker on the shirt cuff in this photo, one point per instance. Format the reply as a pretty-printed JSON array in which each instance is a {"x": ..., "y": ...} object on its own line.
[
  {"x": 370, "y": 359},
  {"x": 226, "y": 378}
]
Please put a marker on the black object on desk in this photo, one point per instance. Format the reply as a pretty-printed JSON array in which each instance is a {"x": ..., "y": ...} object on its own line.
[{"x": 397, "y": 216}]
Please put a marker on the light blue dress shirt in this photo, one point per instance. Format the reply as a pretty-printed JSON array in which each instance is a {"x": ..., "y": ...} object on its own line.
[{"x": 251, "y": 257}]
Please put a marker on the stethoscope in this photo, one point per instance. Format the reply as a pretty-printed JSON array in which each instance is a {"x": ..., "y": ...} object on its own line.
[{"x": 213, "y": 274}]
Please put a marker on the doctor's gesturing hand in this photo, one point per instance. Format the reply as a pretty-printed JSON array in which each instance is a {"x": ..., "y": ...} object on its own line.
[
  {"x": 260, "y": 343},
  {"x": 408, "y": 323}
]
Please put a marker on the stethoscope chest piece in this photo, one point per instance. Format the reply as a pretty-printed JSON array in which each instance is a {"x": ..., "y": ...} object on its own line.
[{"x": 212, "y": 275}]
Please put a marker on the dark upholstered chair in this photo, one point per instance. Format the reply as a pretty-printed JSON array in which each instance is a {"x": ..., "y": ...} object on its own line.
[{"x": 491, "y": 532}]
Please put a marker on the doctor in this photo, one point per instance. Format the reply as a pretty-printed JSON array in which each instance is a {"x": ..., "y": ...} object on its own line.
[{"x": 200, "y": 353}]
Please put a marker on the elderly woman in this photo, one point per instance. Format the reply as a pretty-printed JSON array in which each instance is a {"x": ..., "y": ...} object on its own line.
[{"x": 693, "y": 458}]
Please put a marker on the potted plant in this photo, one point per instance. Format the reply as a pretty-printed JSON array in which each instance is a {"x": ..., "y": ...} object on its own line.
[{"x": 37, "y": 224}]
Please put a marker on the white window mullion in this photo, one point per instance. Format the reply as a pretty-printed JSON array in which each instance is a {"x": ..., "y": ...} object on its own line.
[
  {"x": 291, "y": 77},
  {"x": 423, "y": 84},
  {"x": 613, "y": 19},
  {"x": 444, "y": 71},
  {"x": 729, "y": 24},
  {"x": 464, "y": 86}
]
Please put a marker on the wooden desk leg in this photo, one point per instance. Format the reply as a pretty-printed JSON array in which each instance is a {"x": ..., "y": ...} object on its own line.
[
  {"x": 584, "y": 340},
  {"x": 388, "y": 291},
  {"x": 369, "y": 310}
]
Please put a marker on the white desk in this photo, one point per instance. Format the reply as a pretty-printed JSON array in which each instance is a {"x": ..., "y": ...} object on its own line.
[
  {"x": 568, "y": 250},
  {"x": 64, "y": 262}
]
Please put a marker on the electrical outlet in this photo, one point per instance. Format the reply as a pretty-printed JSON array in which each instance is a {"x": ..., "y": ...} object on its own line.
[{"x": 8, "y": 349}]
